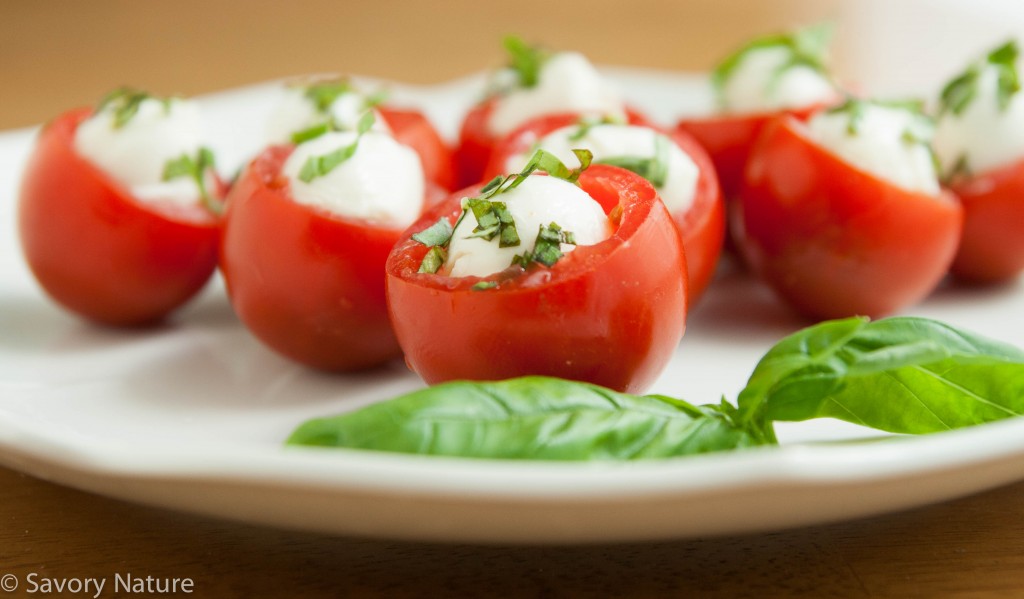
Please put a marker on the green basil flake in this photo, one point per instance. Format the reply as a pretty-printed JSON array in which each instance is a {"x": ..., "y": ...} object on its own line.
[
  {"x": 493, "y": 220},
  {"x": 195, "y": 168},
  {"x": 958, "y": 94},
  {"x": 323, "y": 94},
  {"x": 376, "y": 99},
  {"x": 902, "y": 375},
  {"x": 536, "y": 418},
  {"x": 807, "y": 47},
  {"x": 484, "y": 285},
  {"x": 547, "y": 248},
  {"x": 653, "y": 168},
  {"x": 437, "y": 234},
  {"x": 433, "y": 260},
  {"x": 493, "y": 185},
  {"x": 311, "y": 133},
  {"x": 525, "y": 60}
]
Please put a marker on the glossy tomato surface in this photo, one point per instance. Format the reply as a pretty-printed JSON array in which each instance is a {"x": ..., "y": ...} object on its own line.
[
  {"x": 411, "y": 128},
  {"x": 307, "y": 283},
  {"x": 701, "y": 225},
  {"x": 477, "y": 142},
  {"x": 835, "y": 241},
  {"x": 729, "y": 139},
  {"x": 610, "y": 313},
  {"x": 97, "y": 250},
  {"x": 992, "y": 246}
]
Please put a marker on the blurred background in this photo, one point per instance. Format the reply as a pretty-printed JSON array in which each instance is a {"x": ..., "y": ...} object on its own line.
[{"x": 62, "y": 53}]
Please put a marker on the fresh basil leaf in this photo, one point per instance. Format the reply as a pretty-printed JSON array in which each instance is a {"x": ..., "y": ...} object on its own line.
[
  {"x": 902, "y": 375},
  {"x": 323, "y": 94},
  {"x": 196, "y": 169},
  {"x": 437, "y": 234},
  {"x": 958, "y": 94},
  {"x": 536, "y": 418}
]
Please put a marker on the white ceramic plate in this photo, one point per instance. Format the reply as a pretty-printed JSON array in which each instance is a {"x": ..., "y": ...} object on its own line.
[{"x": 192, "y": 416}]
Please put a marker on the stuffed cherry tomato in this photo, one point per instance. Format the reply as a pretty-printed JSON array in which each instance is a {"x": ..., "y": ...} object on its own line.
[
  {"x": 770, "y": 76},
  {"x": 673, "y": 162},
  {"x": 542, "y": 277},
  {"x": 308, "y": 107},
  {"x": 536, "y": 83},
  {"x": 844, "y": 215},
  {"x": 306, "y": 234},
  {"x": 117, "y": 209},
  {"x": 979, "y": 141}
]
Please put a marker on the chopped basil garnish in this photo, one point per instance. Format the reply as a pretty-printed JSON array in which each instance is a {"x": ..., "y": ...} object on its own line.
[
  {"x": 919, "y": 128},
  {"x": 525, "y": 60},
  {"x": 484, "y": 285},
  {"x": 494, "y": 219},
  {"x": 434, "y": 259},
  {"x": 195, "y": 168},
  {"x": 437, "y": 234},
  {"x": 311, "y": 133},
  {"x": 807, "y": 46},
  {"x": 318, "y": 166},
  {"x": 125, "y": 102},
  {"x": 653, "y": 168},
  {"x": 957, "y": 95},
  {"x": 548, "y": 248},
  {"x": 585, "y": 124}
]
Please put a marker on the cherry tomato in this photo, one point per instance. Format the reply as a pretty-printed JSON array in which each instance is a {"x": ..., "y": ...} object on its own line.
[
  {"x": 610, "y": 313},
  {"x": 307, "y": 283},
  {"x": 835, "y": 241},
  {"x": 701, "y": 226},
  {"x": 413, "y": 129},
  {"x": 97, "y": 250},
  {"x": 992, "y": 246},
  {"x": 476, "y": 141}
]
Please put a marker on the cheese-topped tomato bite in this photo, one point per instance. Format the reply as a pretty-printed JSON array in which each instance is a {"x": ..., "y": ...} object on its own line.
[
  {"x": 362, "y": 174},
  {"x": 152, "y": 146},
  {"x": 889, "y": 141},
  {"x": 775, "y": 73},
  {"x": 643, "y": 150},
  {"x": 979, "y": 141},
  {"x": 980, "y": 125},
  {"x": 539, "y": 206},
  {"x": 540, "y": 83},
  {"x": 305, "y": 107}
]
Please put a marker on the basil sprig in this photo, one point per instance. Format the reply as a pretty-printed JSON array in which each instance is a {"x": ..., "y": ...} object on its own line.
[
  {"x": 318, "y": 166},
  {"x": 492, "y": 216},
  {"x": 125, "y": 103},
  {"x": 958, "y": 94},
  {"x": 807, "y": 47},
  {"x": 195, "y": 168},
  {"x": 903, "y": 375},
  {"x": 322, "y": 94}
]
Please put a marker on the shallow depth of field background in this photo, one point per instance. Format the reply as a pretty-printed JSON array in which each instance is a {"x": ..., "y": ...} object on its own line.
[{"x": 63, "y": 53}]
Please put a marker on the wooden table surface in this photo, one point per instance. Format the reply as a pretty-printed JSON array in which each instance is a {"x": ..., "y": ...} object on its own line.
[{"x": 54, "y": 55}]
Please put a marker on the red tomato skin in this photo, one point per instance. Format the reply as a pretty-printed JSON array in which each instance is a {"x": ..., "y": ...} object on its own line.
[
  {"x": 411, "y": 128},
  {"x": 477, "y": 143},
  {"x": 611, "y": 313},
  {"x": 307, "y": 283},
  {"x": 701, "y": 227},
  {"x": 95, "y": 249},
  {"x": 835, "y": 241},
  {"x": 729, "y": 139},
  {"x": 992, "y": 246}
]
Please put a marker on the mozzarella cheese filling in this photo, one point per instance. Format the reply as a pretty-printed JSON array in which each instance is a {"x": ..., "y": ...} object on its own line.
[
  {"x": 984, "y": 135},
  {"x": 765, "y": 81},
  {"x": 536, "y": 202},
  {"x": 885, "y": 144},
  {"x": 136, "y": 153},
  {"x": 382, "y": 181},
  {"x": 613, "y": 141},
  {"x": 566, "y": 83}
]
